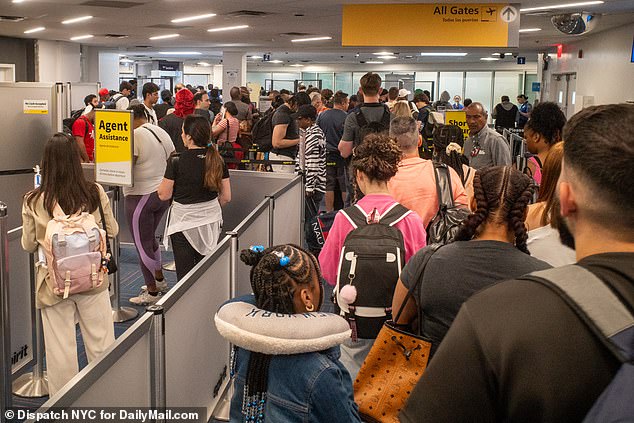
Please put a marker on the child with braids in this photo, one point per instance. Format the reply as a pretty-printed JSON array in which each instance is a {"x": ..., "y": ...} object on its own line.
[
  {"x": 373, "y": 163},
  {"x": 286, "y": 364},
  {"x": 490, "y": 247}
]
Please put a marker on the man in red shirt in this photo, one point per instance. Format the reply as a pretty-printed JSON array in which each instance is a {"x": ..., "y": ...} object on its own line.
[{"x": 83, "y": 131}]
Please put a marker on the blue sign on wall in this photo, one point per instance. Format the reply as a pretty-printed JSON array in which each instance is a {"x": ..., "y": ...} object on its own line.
[
  {"x": 536, "y": 87},
  {"x": 521, "y": 60}
]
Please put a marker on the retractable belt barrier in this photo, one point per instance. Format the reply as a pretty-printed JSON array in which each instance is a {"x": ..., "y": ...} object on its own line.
[{"x": 173, "y": 356}]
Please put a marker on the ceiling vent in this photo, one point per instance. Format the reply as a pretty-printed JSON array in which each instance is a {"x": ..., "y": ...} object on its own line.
[
  {"x": 111, "y": 3},
  {"x": 168, "y": 26},
  {"x": 4, "y": 18},
  {"x": 116, "y": 36},
  {"x": 294, "y": 34},
  {"x": 248, "y": 14},
  {"x": 575, "y": 23}
]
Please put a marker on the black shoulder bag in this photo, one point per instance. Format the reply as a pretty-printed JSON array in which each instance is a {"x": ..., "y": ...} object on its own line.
[{"x": 111, "y": 264}]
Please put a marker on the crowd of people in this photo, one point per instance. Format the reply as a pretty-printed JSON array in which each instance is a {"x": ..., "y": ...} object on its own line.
[{"x": 506, "y": 344}]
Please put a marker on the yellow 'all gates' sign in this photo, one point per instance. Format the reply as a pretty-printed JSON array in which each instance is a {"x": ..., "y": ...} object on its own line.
[
  {"x": 431, "y": 25},
  {"x": 114, "y": 146}
]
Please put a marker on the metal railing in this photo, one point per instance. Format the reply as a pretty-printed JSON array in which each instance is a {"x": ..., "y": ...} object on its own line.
[{"x": 188, "y": 366}]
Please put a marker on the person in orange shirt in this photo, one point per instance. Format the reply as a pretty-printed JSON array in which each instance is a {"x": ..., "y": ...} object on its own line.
[
  {"x": 317, "y": 102},
  {"x": 414, "y": 185}
]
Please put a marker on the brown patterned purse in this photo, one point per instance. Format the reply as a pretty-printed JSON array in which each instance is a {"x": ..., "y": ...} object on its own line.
[{"x": 393, "y": 366}]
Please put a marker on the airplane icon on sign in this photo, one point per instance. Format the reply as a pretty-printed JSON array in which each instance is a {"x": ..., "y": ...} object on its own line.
[{"x": 490, "y": 11}]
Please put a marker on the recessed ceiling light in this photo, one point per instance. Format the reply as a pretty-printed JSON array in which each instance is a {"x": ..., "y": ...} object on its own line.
[
  {"x": 164, "y": 37},
  {"x": 81, "y": 37},
  {"x": 301, "y": 40},
  {"x": 227, "y": 28},
  {"x": 409, "y": 57},
  {"x": 383, "y": 53},
  {"x": 387, "y": 57},
  {"x": 254, "y": 57},
  {"x": 203, "y": 64},
  {"x": 489, "y": 59},
  {"x": 374, "y": 62},
  {"x": 181, "y": 53},
  {"x": 276, "y": 61},
  {"x": 297, "y": 65},
  {"x": 530, "y": 29},
  {"x": 447, "y": 54},
  {"x": 193, "y": 18},
  {"x": 75, "y": 20},
  {"x": 495, "y": 54},
  {"x": 561, "y": 6},
  {"x": 31, "y": 31},
  {"x": 508, "y": 54}
]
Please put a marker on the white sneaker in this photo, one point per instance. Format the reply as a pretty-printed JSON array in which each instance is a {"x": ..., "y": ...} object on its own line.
[
  {"x": 160, "y": 285},
  {"x": 145, "y": 298}
]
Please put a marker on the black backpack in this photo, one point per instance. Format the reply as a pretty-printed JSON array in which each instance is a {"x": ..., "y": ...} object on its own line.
[
  {"x": 445, "y": 225},
  {"x": 262, "y": 132},
  {"x": 70, "y": 121},
  {"x": 373, "y": 127},
  {"x": 372, "y": 257},
  {"x": 445, "y": 134}
]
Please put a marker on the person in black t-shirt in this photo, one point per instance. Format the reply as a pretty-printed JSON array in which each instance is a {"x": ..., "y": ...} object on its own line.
[
  {"x": 198, "y": 182},
  {"x": 285, "y": 137}
]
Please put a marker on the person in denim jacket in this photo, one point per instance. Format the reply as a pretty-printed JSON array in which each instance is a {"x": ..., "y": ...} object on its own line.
[{"x": 286, "y": 364}]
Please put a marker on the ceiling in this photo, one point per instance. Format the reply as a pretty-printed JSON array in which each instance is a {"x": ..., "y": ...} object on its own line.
[{"x": 138, "y": 20}]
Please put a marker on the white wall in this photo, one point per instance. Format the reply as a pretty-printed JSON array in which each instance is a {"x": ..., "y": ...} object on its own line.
[
  {"x": 605, "y": 71},
  {"x": 89, "y": 64},
  {"x": 57, "y": 61}
]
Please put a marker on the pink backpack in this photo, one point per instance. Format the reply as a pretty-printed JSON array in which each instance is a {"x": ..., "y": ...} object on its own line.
[{"x": 74, "y": 246}]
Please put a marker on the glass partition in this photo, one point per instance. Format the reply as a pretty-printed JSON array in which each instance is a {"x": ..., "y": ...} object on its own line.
[
  {"x": 452, "y": 83},
  {"x": 328, "y": 80},
  {"x": 343, "y": 82},
  {"x": 478, "y": 88},
  {"x": 258, "y": 77},
  {"x": 507, "y": 83}
]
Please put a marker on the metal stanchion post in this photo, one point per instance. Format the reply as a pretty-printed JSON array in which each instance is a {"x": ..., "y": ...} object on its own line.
[
  {"x": 5, "y": 327},
  {"x": 271, "y": 219},
  {"x": 34, "y": 384},
  {"x": 119, "y": 314},
  {"x": 222, "y": 410},
  {"x": 158, "y": 397}
]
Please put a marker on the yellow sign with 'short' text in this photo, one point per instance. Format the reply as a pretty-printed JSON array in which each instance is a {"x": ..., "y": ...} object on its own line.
[
  {"x": 431, "y": 25},
  {"x": 458, "y": 118},
  {"x": 114, "y": 145}
]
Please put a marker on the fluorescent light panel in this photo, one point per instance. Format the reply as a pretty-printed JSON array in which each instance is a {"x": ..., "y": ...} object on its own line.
[
  {"x": 181, "y": 53},
  {"x": 203, "y": 64},
  {"x": 530, "y": 29},
  {"x": 75, "y": 20},
  {"x": 489, "y": 59},
  {"x": 126, "y": 61},
  {"x": 254, "y": 57},
  {"x": 276, "y": 61},
  {"x": 301, "y": 40},
  {"x": 447, "y": 54},
  {"x": 386, "y": 57},
  {"x": 164, "y": 37},
  {"x": 373, "y": 62},
  {"x": 81, "y": 37},
  {"x": 31, "y": 31},
  {"x": 297, "y": 65},
  {"x": 194, "y": 18},
  {"x": 227, "y": 28},
  {"x": 383, "y": 53},
  {"x": 18, "y": 1},
  {"x": 561, "y": 6}
]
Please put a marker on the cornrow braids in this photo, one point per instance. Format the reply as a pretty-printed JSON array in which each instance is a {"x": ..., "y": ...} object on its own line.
[
  {"x": 274, "y": 282},
  {"x": 502, "y": 194}
]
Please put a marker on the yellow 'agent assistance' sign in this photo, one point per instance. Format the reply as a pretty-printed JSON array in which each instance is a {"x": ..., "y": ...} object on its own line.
[
  {"x": 458, "y": 118},
  {"x": 114, "y": 144},
  {"x": 443, "y": 25}
]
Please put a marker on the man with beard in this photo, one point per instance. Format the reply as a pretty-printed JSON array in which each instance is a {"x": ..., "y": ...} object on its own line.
[{"x": 518, "y": 351}]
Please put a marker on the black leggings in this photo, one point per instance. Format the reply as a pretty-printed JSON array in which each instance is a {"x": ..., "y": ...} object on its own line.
[{"x": 185, "y": 256}]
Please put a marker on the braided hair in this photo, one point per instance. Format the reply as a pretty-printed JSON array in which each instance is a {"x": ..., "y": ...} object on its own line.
[
  {"x": 502, "y": 194},
  {"x": 276, "y": 274}
]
